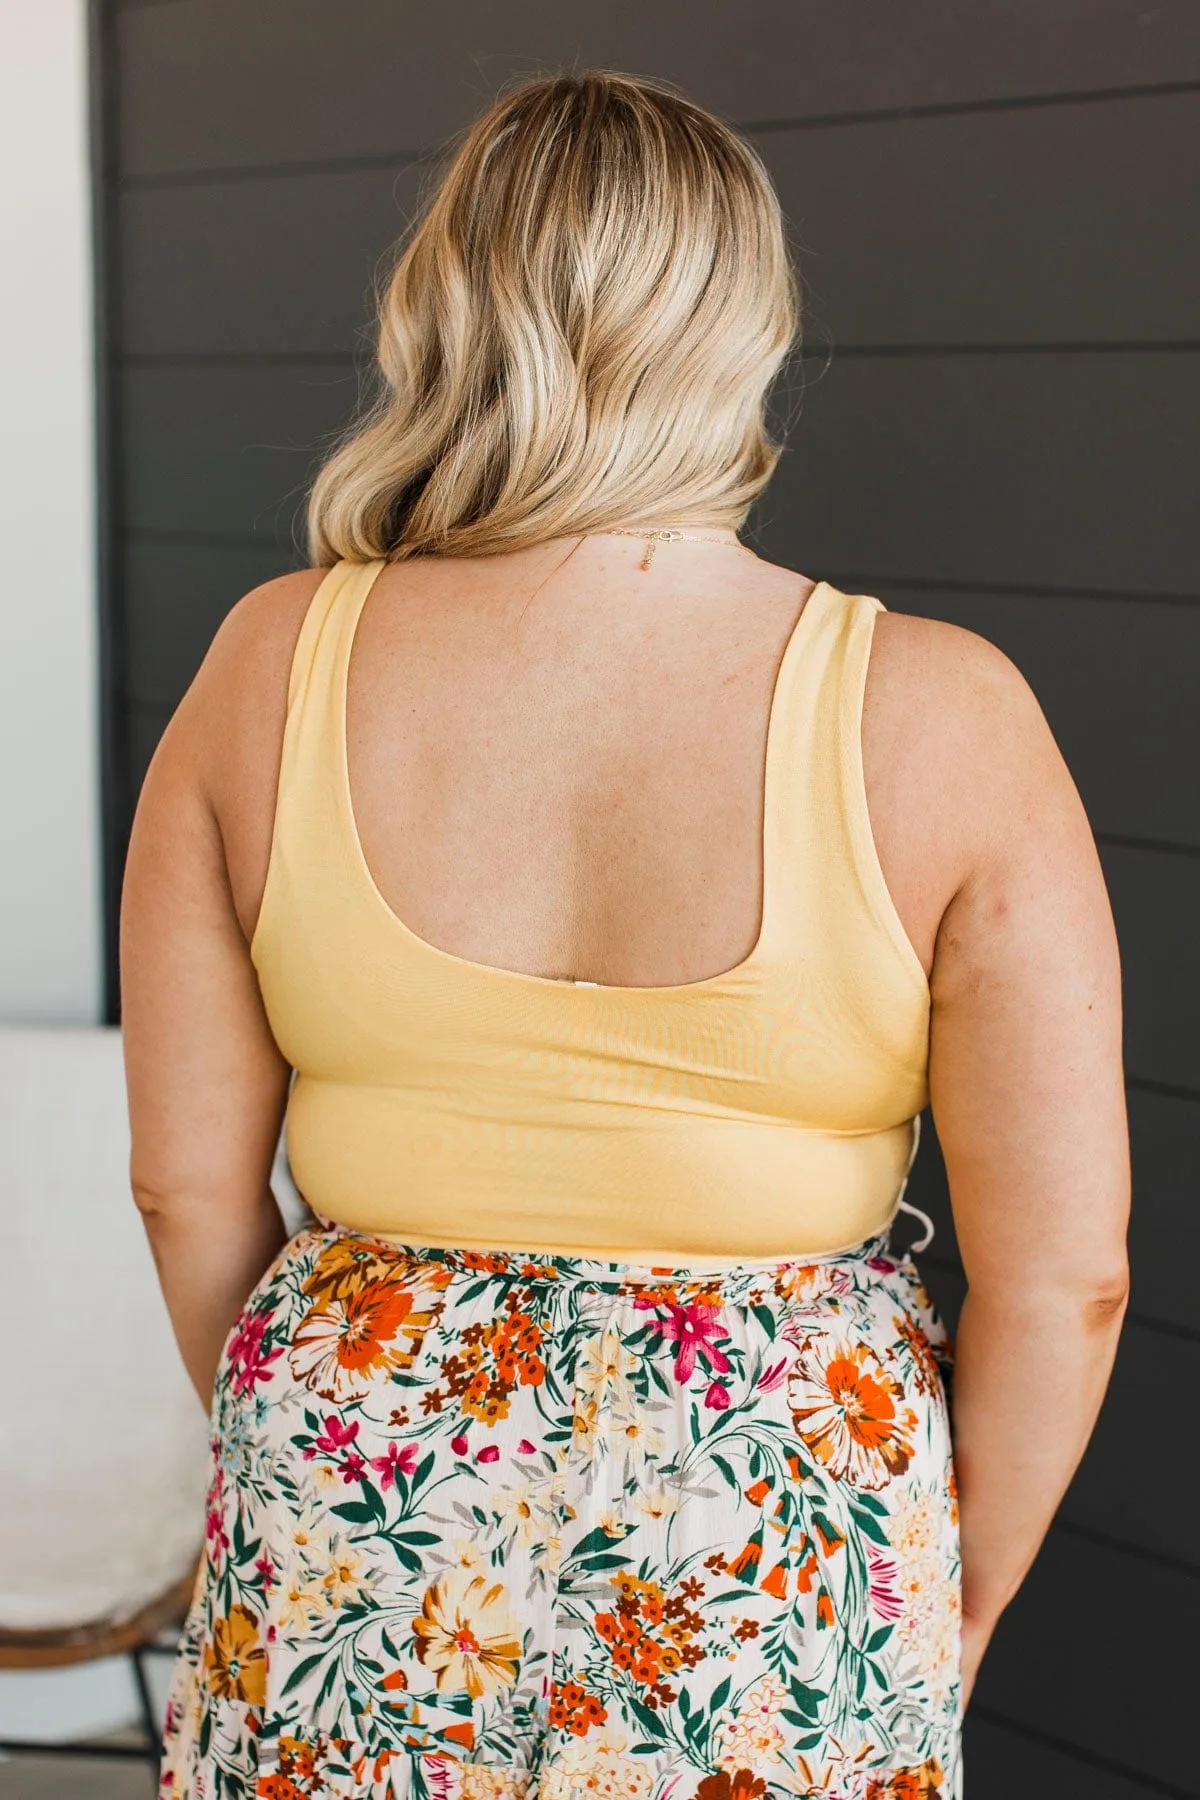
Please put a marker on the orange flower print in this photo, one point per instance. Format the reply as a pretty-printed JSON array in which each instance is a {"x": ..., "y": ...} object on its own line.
[
  {"x": 775, "y": 1581},
  {"x": 744, "y": 1785},
  {"x": 297, "y": 1758},
  {"x": 277, "y": 1787},
  {"x": 346, "y": 1265},
  {"x": 235, "y": 1662},
  {"x": 573, "y": 1709},
  {"x": 340, "y": 1349},
  {"x": 846, "y": 1408},
  {"x": 806, "y": 1282},
  {"x": 746, "y": 1561},
  {"x": 923, "y": 1783}
]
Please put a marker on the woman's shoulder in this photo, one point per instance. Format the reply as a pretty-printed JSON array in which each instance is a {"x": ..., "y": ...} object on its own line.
[
  {"x": 230, "y": 720},
  {"x": 957, "y": 678},
  {"x": 248, "y": 662},
  {"x": 258, "y": 634},
  {"x": 955, "y": 735}
]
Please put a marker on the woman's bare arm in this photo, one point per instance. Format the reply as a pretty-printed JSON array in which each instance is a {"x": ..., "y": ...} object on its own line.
[
  {"x": 207, "y": 1085},
  {"x": 1028, "y": 1098}
]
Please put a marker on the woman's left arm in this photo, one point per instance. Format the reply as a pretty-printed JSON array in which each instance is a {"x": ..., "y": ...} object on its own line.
[{"x": 207, "y": 1085}]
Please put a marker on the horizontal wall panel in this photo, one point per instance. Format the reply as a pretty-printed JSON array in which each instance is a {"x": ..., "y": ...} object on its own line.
[
  {"x": 1156, "y": 904},
  {"x": 1164, "y": 1228},
  {"x": 1128, "y": 738},
  {"x": 209, "y": 83},
  {"x": 1092, "y": 1650},
  {"x": 176, "y": 596},
  {"x": 228, "y": 453},
  {"x": 1005, "y": 1765},
  {"x": 1032, "y": 225},
  {"x": 1140, "y": 1428},
  {"x": 1047, "y": 469},
  {"x": 270, "y": 266},
  {"x": 917, "y": 466},
  {"x": 896, "y": 247}
]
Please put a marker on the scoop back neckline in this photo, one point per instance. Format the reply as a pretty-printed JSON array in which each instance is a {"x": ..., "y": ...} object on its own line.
[{"x": 468, "y": 966}]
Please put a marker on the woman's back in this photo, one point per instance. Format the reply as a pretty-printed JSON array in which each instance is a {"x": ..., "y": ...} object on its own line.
[
  {"x": 573, "y": 786},
  {"x": 446, "y": 1081}
]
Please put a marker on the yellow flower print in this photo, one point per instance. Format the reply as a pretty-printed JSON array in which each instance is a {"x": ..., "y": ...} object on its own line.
[
  {"x": 752, "y": 1738},
  {"x": 597, "y": 1767},
  {"x": 235, "y": 1662},
  {"x": 604, "y": 1368},
  {"x": 309, "y": 1537},
  {"x": 478, "y": 1782},
  {"x": 466, "y": 1634},
  {"x": 657, "y": 1502},
  {"x": 634, "y": 1440},
  {"x": 587, "y": 1438},
  {"x": 346, "y": 1579},
  {"x": 527, "y": 1507},
  {"x": 304, "y": 1602},
  {"x": 915, "y": 1526}
]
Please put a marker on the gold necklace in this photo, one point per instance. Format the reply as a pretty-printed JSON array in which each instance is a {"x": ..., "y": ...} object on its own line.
[{"x": 654, "y": 538}]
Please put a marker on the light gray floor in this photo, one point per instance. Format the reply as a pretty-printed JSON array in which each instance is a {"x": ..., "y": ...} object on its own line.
[{"x": 75, "y": 1778}]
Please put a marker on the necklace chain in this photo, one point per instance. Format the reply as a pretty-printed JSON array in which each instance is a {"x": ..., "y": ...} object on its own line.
[{"x": 653, "y": 539}]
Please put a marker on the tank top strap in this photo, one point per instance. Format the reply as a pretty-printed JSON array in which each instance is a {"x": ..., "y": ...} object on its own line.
[
  {"x": 317, "y": 682},
  {"x": 832, "y": 905}
]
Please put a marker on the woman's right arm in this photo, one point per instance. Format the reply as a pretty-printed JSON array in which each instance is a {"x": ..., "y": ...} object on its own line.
[{"x": 1027, "y": 1093}]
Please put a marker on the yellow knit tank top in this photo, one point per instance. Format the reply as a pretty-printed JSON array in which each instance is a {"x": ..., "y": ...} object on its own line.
[{"x": 770, "y": 1110}]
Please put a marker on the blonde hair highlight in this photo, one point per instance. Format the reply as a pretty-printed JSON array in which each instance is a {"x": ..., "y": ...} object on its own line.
[{"x": 580, "y": 332}]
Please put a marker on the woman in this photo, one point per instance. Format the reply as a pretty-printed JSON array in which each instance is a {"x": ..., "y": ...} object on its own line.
[{"x": 618, "y": 899}]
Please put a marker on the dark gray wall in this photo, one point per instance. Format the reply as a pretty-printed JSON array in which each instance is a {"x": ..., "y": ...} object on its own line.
[{"x": 996, "y": 208}]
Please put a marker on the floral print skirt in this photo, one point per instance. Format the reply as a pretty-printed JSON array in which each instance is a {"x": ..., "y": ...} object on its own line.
[{"x": 507, "y": 1526}]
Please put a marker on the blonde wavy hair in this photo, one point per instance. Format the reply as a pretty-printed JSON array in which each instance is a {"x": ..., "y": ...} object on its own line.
[{"x": 579, "y": 332}]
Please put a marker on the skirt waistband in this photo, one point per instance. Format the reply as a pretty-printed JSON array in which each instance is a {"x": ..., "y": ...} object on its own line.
[{"x": 733, "y": 1279}]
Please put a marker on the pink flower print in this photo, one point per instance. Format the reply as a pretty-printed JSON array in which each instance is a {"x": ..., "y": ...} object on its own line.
[
  {"x": 773, "y": 1376},
  {"x": 335, "y": 1437},
  {"x": 216, "y": 1537},
  {"x": 489, "y": 1453},
  {"x": 525, "y": 1448},
  {"x": 396, "y": 1461},
  {"x": 352, "y": 1468},
  {"x": 717, "y": 1397},
  {"x": 248, "y": 1361},
  {"x": 441, "y": 1774},
  {"x": 693, "y": 1329},
  {"x": 266, "y": 1569},
  {"x": 884, "y": 1590},
  {"x": 459, "y": 1444}
]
